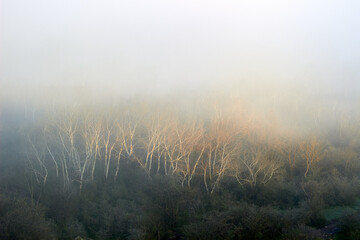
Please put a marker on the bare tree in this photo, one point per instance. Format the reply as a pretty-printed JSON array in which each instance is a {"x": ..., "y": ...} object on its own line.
[
  {"x": 154, "y": 132},
  {"x": 311, "y": 151},
  {"x": 91, "y": 135},
  {"x": 258, "y": 158},
  {"x": 291, "y": 151},
  {"x": 127, "y": 125},
  {"x": 36, "y": 162},
  {"x": 109, "y": 141},
  {"x": 36, "y": 155},
  {"x": 221, "y": 144},
  {"x": 191, "y": 149},
  {"x": 172, "y": 142}
]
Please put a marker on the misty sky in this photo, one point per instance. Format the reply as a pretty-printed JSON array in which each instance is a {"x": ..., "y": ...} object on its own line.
[{"x": 126, "y": 47}]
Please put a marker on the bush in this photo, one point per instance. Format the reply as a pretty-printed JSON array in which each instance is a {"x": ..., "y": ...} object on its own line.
[
  {"x": 214, "y": 226},
  {"x": 301, "y": 232},
  {"x": 242, "y": 221},
  {"x": 350, "y": 225},
  {"x": 345, "y": 190},
  {"x": 20, "y": 220}
]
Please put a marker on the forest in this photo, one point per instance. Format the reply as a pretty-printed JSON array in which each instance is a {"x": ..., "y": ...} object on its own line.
[
  {"x": 179, "y": 120},
  {"x": 148, "y": 169}
]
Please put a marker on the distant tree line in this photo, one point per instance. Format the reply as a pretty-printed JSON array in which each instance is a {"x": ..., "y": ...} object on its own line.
[
  {"x": 228, "y": 142},
  {"x": 159, "y": 170}
]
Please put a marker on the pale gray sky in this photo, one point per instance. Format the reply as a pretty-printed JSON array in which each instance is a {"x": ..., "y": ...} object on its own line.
[{"x": 133, "y": 46}]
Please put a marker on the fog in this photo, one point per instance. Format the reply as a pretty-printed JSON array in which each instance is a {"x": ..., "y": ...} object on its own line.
[
  {"x": 132, "y": 48},
  {"x": 179, "y": 119}
]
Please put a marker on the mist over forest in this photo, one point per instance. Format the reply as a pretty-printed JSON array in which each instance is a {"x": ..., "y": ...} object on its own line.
[{"x": 179, "y": 120}]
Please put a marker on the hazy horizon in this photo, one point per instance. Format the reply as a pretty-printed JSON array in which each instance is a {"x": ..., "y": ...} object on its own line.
[{"x": 132, "y": 48}]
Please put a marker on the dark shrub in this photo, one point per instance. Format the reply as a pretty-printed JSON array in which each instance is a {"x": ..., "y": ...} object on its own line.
[
  {"x": 301, "y": 232},
  {"x": 20, "y": 220},
  {"x": 350, "y": 225}
]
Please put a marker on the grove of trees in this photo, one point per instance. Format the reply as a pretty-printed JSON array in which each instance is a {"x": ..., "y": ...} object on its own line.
[
  {"x": 145, "y": 170},
  {"x": 75, "y": 142}
]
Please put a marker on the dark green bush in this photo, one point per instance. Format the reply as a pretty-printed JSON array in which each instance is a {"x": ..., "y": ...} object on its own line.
[
  {"x": 301, "y": 232},
  {"x": 350, "y": 225},
  {"x": 20, "y": 220}
]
